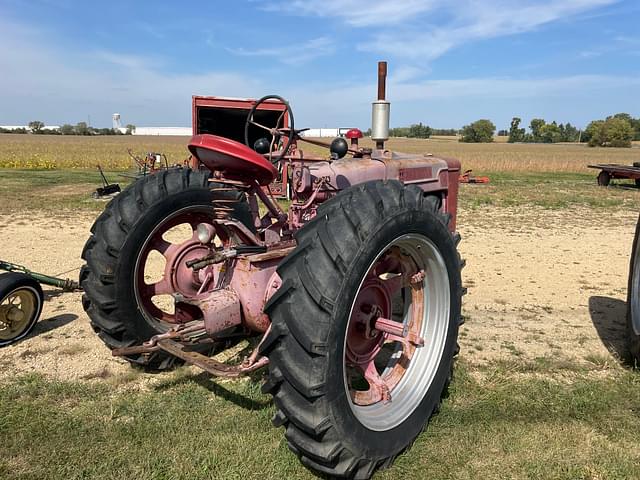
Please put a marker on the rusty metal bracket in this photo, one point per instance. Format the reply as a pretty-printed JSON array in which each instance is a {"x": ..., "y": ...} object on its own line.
[{"x": 208, "y": 364}]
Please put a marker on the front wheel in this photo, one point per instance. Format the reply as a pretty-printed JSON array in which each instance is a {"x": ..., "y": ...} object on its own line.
[
  {"x": 21, "y": 300},
  {"x": 364, "y": 328},
  {"x": 137, "y": 258}
]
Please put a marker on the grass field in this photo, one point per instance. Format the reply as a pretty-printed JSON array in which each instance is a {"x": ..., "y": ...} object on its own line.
[
  {"x": 503, "y": 426},
  {"x": 542, "y": 417},
  {"x": 70, "y": 152}
]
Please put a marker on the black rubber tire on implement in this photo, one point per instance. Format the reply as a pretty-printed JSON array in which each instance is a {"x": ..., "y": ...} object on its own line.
[
  {"x": 633, "y": 300},
  {"x": 16, "y": 281},
  {"x": 117, "y": 236},
  {"x": 604, "y": 179},
  {"x": 309, "y": 315}
]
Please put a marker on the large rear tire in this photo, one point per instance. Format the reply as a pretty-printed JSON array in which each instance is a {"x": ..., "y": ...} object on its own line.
[
  {"x": 351, "y": 396},
  {"x": 633, "y": 300},
  {"x": 116, "y": 297}
]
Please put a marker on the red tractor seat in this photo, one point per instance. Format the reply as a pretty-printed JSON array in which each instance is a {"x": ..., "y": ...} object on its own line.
[{"x": 234, "y": 159}]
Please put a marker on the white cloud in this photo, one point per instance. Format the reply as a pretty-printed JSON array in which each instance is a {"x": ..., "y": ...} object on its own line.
[
  {"x": 426, "y": 29},
  {"x": 57, "y": 85},
  {"x": 45, "y": 81},
  {"x": 294, "y": 54},
  {"x": 358, "y": 13},
  {"x": 474, "y": 21},
  {"x": 515, "y": 88},
  {"x": 452, "y": 102}
]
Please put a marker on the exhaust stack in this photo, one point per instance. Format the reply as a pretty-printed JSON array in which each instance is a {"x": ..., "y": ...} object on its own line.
[{"x": 380, "y": 110}]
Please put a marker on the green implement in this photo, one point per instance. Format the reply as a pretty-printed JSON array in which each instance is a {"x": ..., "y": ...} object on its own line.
[{"x": 65, "y": 284}]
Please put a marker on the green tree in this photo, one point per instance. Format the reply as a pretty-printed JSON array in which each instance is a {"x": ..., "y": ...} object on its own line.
[
  {"x": 81, "y": 128},
  {"x": 569, "y": 133},
  {"x": 419, "y": 131},
  {"x": 594, "y": 133},
  {"x": 535, "y": 126},
  {"x": 634, "y": 122},
  {"x": 130, "y": 129},
  {"x": 480, "y": 131},
  {"x": 550, "y": 133},
  {"x": 36, "y": 126},
  {"x": 612, "y": 132},
  {"x": 445, "y": 132},
  {"x": 67, "y": 129},
  {"x": 618, "y": 132},
  {"x": 516, "y": 134},
  {"x": 398, "y": 132}
]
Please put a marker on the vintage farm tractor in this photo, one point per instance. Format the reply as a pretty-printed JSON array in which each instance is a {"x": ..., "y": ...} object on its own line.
[{"x": 354, "y": 293}]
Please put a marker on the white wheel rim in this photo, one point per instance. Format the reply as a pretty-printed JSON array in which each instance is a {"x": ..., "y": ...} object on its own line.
[{"x": 409, "y": 392}]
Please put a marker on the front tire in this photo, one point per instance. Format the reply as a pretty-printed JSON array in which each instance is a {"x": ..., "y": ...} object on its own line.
[
  {"x": 351, "y": 396},
  {"x": 21, "y": 300},
  {"x": 122, "y": 307}
]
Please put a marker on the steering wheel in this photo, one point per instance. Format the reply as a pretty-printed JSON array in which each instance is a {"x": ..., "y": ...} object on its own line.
[{"x": 277, "y": 130}]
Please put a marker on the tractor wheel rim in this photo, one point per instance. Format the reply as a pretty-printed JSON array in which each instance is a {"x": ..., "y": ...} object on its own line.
[
  {"x": 17, "y": 310},
  {"x": 177, "y": 277},
  {"x": 386, "y": 379}
]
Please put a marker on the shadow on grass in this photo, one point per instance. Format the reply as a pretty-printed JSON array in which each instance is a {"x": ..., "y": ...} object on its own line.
[
  {"x": 208, "y": 382},
  {"x": 609, "y": 319}
]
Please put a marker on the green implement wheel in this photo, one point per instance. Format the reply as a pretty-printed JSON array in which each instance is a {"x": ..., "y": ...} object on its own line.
[{"x": 21, "y": 300}]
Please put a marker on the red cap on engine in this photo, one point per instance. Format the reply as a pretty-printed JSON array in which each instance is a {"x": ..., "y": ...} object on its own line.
[{"x": 354, "y": 133}]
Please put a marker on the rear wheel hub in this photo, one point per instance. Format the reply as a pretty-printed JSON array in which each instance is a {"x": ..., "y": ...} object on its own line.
[{"x": 176, "y": 240}]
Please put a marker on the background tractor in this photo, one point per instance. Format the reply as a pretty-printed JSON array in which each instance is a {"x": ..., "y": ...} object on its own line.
[{"x": 353, "y": 295}]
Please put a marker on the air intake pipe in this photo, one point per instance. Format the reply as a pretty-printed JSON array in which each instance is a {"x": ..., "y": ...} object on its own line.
[{"x": 380, "y": 110}]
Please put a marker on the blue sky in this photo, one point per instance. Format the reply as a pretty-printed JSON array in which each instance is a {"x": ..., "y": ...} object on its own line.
[{"x": 450, "y": 61}]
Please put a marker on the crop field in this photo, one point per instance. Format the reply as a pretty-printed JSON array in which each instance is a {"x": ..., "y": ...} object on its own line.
[
  {"x": 542, "y": 388},
  {"x": 71, "y": 152}
]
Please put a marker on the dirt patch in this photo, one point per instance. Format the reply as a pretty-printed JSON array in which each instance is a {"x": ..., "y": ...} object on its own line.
[
  {"x": 62, "y": 345},
  {"x": 542, "y": 284},
  {"x": 545, "y": 284}
]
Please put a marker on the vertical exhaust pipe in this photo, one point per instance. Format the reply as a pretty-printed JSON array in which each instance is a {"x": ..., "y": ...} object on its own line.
[{"x": 380, "y": 110}]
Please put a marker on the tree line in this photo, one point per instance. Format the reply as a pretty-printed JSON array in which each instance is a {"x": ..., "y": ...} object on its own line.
[
  {"x": 542, "y": 132},
  {"x": 418, "y": 130},
  {"x": 81, "y": 128},
  {"x": 617, "y": 130}
]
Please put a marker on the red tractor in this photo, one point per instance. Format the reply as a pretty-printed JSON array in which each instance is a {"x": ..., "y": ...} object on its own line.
[{"x": 353, "y": 295}]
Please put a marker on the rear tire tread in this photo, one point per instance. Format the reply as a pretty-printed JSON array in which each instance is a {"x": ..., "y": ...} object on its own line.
[{"x": 293, "y": 347}]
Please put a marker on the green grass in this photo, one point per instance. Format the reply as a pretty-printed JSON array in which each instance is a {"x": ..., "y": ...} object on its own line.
[
  {"x": 543, "y": 418},
  {"x": 501, "y": 426},
  {"x": 52, "y": 190},
  {"x": 65, "y": 190},
  {"x": 552, "y": 191}
]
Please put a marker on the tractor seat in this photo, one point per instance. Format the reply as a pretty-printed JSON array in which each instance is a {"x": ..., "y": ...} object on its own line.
[{"x": 234, "y": 159}]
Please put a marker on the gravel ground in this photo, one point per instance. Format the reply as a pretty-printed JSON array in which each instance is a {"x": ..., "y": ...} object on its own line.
[{"x": 541, "y": 284}]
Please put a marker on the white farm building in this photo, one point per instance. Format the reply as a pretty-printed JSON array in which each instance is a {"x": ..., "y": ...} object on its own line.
[
  {"x": 174, "y": 131},
  {"x": 325, "y": 132}
]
